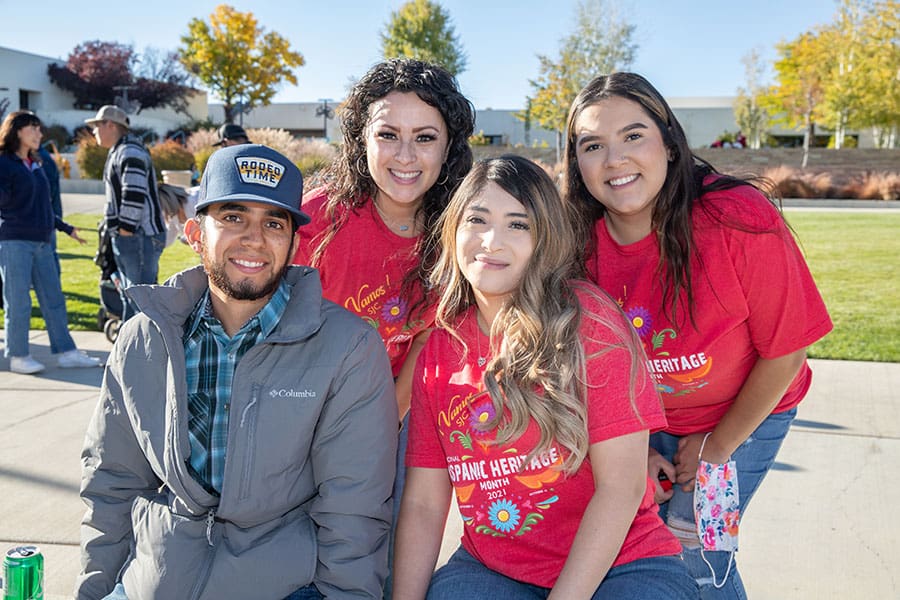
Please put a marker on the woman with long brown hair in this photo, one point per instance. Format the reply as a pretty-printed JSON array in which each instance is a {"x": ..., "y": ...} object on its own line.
[
  {"x": 714, "y": 284},
  {"x": 27, "y": 257}
]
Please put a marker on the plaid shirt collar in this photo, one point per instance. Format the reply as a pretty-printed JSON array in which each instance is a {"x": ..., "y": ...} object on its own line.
[{"x": 267, "y": 317}]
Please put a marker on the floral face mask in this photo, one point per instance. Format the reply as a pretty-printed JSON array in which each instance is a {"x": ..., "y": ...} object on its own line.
[{"x": 717, "y": 509}]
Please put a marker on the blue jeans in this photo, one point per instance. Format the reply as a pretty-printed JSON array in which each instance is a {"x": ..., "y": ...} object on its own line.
[
  {"x": 399, "y": 484},
  {"x": 309, "y": 592},
  {"x": 753, "y": 459},
  {"x": 659, "y": 578},
  {"x": 24, "y": 264},
  {"x": 137, "y": 260}
]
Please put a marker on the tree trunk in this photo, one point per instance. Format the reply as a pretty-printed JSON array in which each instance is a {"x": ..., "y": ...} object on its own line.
[
  {"x": 559, "y": 136},
  {"x": 807, "y": 139}
]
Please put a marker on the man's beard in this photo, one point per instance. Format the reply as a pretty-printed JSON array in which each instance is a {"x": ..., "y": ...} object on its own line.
[{"x": 242, "y": 290}]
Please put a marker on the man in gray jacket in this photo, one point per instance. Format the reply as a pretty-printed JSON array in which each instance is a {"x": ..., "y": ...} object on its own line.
[{"x": 243, "y": 445}]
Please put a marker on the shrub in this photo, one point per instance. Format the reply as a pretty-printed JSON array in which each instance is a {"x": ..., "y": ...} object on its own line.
[
  {"x": 58, "y": 134},
  {"x": 310, "y": 154},
  {"x": 478, "y": 139},
  {"x": 791, "y": 183},
  {"x": 90, "y": 157},
  {"x": 876, "y": 186},
  {"x": 202, "y": 138},
  {"x": 201, "y": 157},
  {"x": 170, "y": 156}
]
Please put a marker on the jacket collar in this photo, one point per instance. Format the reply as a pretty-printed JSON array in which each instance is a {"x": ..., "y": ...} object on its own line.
[{"x": 174, "y": 301}]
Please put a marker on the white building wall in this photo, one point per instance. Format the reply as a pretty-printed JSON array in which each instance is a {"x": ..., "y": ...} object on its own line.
[
  {"x": 292, "y": 116},
  {"x": 25, "y": 71},
  {"x": 511, "y": 129}
]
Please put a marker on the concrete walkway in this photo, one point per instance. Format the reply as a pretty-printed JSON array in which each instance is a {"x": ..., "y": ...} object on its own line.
[{"x": 819, "y": 527}]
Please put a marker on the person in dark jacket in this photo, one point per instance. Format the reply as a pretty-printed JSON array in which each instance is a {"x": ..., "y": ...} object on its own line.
[
  {"x": 239, "y": 448},
  {"x": 27, "y": 259}
]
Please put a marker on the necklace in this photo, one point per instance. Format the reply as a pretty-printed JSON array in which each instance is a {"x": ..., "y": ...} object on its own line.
[
  {"x": 391, "y": 223},
  {"x": 481, "y": 360}
]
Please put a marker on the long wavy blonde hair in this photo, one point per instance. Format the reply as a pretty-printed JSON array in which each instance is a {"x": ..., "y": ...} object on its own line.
[{"x": 538, "y": 369}]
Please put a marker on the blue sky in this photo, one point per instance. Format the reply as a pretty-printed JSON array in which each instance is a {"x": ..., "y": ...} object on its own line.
[{"x": 685, "y": 48}]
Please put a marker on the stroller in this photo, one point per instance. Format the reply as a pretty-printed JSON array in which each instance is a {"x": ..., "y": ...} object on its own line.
[
  {"x": 109, "y": 316},
  {"x": 173, "y": 201}
]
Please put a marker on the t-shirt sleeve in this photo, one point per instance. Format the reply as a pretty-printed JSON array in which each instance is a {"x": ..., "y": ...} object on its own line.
[
  {"x": 313, "y": 204},
  {"x": 424, "y": 447},
  {"x": 621, "y": 397},
  {"x": 786, "y": 311}
]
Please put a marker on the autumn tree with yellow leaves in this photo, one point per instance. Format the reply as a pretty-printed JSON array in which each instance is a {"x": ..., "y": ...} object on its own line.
[
  {"x": 600, "y": 43},
  {"x": 237, "y": 59}
]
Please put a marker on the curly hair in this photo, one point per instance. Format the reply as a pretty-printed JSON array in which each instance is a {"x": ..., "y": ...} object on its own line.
[
  {"x": 538, "y": 369},
  {"x": 348, "y": 183},
  {"x": 681, "y": 191},
  {"x": 9, "y": 131}
]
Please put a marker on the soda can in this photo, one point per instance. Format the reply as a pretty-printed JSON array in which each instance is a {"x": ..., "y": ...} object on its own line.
[{"x": 23, "y": 574}]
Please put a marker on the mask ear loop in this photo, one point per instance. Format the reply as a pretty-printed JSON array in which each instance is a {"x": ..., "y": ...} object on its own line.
[{"x": 712, "y": 571}]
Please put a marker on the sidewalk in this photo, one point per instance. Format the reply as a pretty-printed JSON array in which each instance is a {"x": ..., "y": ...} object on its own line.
[{"x": 819, "y": 528}]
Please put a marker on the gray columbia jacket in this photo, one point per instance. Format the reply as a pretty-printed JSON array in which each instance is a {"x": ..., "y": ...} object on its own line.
[{"x": 306, "y": 495}]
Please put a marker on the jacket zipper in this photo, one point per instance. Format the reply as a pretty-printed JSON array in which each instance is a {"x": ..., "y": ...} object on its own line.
[
  {"x": 203, "y": 574},
  {"x": 248, "y": 418}
]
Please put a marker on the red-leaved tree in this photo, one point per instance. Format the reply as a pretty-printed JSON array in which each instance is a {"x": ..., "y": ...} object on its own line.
[{"x": 94, "y": 71}]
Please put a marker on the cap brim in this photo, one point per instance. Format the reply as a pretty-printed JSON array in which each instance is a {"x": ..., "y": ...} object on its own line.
[
  {"x": 300, "y": 217},
  {"x": 219, "y": 143}
]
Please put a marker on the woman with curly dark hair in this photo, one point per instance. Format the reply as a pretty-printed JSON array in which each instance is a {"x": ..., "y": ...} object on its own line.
[
  {"x": 406, "y": 128},
  {"x": 373, "y": 238},
  {"x": 711, "y": 278}
]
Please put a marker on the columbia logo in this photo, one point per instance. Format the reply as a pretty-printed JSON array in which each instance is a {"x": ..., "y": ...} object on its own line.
[{"x": 292, "y": 393}]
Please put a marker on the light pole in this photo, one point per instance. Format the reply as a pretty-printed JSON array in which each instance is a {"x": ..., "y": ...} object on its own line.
[
  {"x": 326, "y": 112},
  {"x": 129, "y": 107}
]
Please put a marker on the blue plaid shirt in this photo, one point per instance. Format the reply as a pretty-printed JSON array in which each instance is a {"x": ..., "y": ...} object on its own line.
[{"x": 211, "y": 360}]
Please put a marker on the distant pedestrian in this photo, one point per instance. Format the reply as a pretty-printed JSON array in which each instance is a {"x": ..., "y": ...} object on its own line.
[
  {"x": 231, "y": 135},
  {"x": 52, "y": 171},
  {"x": 27, "y": 259},
  {"x": 134, "y": 217}
]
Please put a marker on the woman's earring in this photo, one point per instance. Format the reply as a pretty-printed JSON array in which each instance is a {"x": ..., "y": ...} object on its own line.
[
  {"x": 446, "y": 176},
  {"x": 360, "y": 170}
]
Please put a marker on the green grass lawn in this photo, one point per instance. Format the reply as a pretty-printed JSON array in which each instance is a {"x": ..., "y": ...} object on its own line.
[
  {"x": 81, "y": 277},
  {"x": 854, "y": 259},
  {"x": 853, "y": 256}
]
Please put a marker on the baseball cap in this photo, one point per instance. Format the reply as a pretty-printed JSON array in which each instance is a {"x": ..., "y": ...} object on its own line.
[
  {"x": 112, "y": 113},
  {"x": 253, "y": 173},
  {"x": 230, "y": 131}
]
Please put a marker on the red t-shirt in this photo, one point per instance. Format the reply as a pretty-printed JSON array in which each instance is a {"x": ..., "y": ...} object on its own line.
[
  {"x": 754, "y": 297},
  {"x": 362, "y": 269},
  {"x": 521, "y": 521}
]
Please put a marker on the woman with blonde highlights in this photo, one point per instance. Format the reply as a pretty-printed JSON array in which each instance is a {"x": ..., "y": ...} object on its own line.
[{"x": 532, "y": 402}]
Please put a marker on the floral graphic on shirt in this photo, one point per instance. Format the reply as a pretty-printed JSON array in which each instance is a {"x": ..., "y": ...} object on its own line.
[
  {"x": 641, "y": 320},
  {"x": 380, "y": 305},
  {"x": 481, "y": 414},
  {"x": 394, "y": 310},
  {"x": 504, "y": 515},
  {"x": 500, "y": 490},
  {"x": 674, "y": 375}
]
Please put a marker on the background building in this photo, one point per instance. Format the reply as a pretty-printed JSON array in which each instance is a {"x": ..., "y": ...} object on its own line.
[{"x": 25, "y": 84}]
